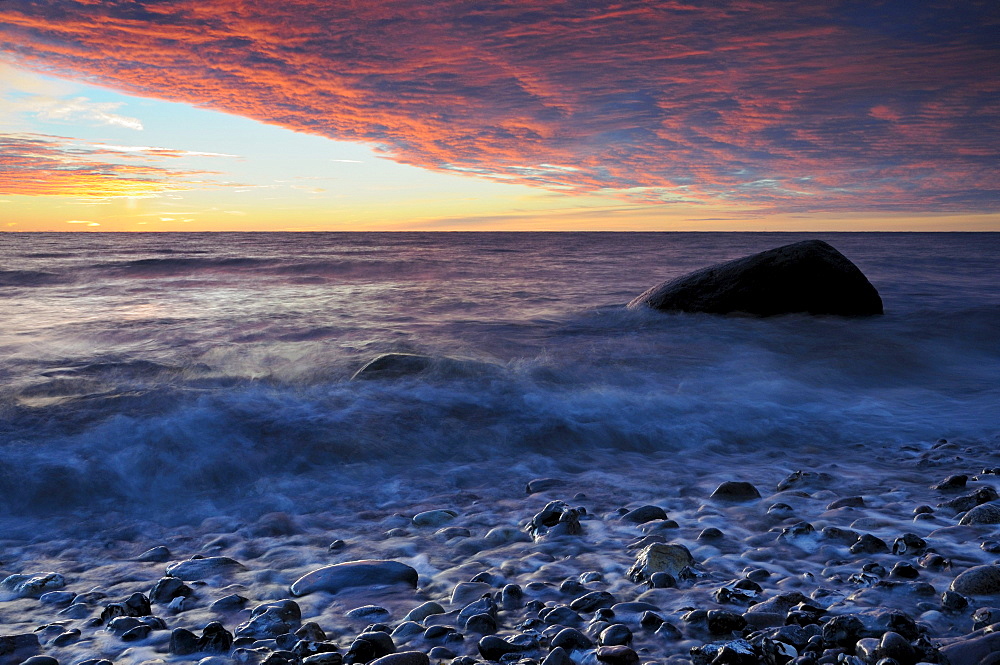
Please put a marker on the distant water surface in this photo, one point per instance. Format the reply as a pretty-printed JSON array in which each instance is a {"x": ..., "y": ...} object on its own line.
[{"x": 201, "y": 365}]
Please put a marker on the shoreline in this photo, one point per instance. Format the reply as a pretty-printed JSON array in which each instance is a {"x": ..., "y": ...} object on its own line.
[{"x": 865, "y": 491}]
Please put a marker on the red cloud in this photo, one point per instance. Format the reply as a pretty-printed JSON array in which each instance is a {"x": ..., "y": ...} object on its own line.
[
  {"x": 793, "y": 106},
  {"x": 38, "y": 165}
]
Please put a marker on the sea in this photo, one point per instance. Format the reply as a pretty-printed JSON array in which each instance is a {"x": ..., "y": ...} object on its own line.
[{"x": 177, "y": 375}]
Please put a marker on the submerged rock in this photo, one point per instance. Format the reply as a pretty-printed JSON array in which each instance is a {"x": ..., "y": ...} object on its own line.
[
  {"x": 809, "y": 277},
  {"x": 368, "y": 572},
  {"x": 398, "y": 365}
]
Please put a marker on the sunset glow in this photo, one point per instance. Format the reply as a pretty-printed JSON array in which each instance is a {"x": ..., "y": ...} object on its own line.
[{"x": 644, "y": 115}]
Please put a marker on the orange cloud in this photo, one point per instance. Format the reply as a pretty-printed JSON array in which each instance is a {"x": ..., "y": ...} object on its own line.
[
  {"x": 41, "y": 165},
  {"x": 829, "y": 105}
]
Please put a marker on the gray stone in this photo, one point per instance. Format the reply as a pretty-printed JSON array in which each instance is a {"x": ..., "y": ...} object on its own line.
[
  {"x": 978, "y": 581},
  {"x": 31, "y": 585},
  {"x": 736, "y": 490},
  {"x": 987, "y": 513},
  {"x": 555, "y": 519},
  {"x": 972, "y": 651},
  {"x": 543, "y": 484},
  {"x": 434, "y": 517},
  {"x": 159, "y": 554},
  {"x": 401, "y": 365},
  {"x": 644, "y": 514},
  {"x": 424, "y": 610},
  {"x": 271, "y": 619},
  {"x": 808, "y": 277},
  {"x": 660, "y": 558},
  {"x": 368, "y": 613},
  {"x": 197, "y": 569},
  {"x": 17, "y": 648},
  {"x": 364, "y": 573},
  {"x": 465, "y": 592},
  {"x": 403, "y": 658}
]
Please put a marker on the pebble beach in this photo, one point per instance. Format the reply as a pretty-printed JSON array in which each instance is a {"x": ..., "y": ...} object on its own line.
[
  {"x": 658, "y": 561},
  {"x": 204, "y": 464}
]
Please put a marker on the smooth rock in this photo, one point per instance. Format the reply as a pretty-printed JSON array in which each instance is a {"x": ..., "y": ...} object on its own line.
[
  {"x": 974, "y": 651},
  {"x": 32, "y": 585},
  {"x": 543, "y": 485},
  {"x": 644, "y": 514},
  {"x": 401, "y": 365},
  {"x": 465, "y": 592},
  {"x": 617, "y": 655},
  {"x": 424, "y": 610},
  {"x": 736, "y": 490},
  {"x": 403, "y": 658},
  {"x": 340, "y": 576},
  {"x": 503, "y": 535},
  {"x": 660, "y": 558},
  {"x": 978, "y": 581},
  {"x": 434, "y": 517},
  {"x": 368, "y": 613},
  {"x": 16, "y": 648},
  {"x": 197, "y": 569},
  {"x": 557, "y": 656},
  {"x": 271, "y": 619},
  {"x": 987, "y": 513},
  {"x": 159, "y": 554},
  {"x": 808, "y": 277},
  {"x": 557, "y": 518}
]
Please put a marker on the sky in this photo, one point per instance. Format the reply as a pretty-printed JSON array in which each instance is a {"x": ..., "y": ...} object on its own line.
[{"x": 185, "y": 115}]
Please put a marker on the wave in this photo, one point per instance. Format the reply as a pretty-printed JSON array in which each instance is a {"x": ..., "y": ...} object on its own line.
[
  {"x": 30, "y": 278},
  {"x": 139, "y": 435}
]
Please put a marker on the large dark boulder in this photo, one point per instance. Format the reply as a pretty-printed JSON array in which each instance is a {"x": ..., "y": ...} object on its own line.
[{"x": 810, "y": 277}]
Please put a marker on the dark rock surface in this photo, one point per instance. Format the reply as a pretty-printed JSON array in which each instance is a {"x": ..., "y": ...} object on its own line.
[{"x": 808, "y": 277}]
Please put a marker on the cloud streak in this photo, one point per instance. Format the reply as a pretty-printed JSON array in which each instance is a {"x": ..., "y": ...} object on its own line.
[
  {"x": 824, "y": 106},
  {"x": 43, "y": 165}
]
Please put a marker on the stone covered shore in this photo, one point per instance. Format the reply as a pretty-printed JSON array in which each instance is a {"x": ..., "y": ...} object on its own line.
[{"x": 892, "y": 561}]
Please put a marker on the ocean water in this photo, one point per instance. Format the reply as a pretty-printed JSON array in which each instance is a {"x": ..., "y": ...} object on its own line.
[{"x": 181, "y": 374}]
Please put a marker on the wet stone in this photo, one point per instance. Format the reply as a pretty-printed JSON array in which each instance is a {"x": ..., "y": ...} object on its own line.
[
  {"x": 484, "y": 624},
  {"x": 869, "y": 544},
  {"x": 168, "y": 588},
  {"x": 736, "y": 490},
  {"x": 910, "y": 544},
  {"x": 543, "y": 485},
  {"x": 592, "y": 601},
  {"x": 32, "y": 585},
  {"x": 987, "y": 513},
  {"x": 571, "y": 639},
  {"x": 969, "y": 501},
  {"x": 368, "y": 613},
  {"x": 951, "y": 483},
  {"x": 424, "y": 610},
  {"x": 660, "y": 557},
  {"x": 617, "y": 655},
  {"x": 615, "y": 634},
  {"x": 271, "y": 619},
  {"x": 722, "y": 622},
  {"x": 847, "y": 502},
  {"x": 352, "y": 574},
  {"x": 644, "y": 514},
  {"x": 978, "y": 581},
  {"x": 557, "y": 518},
  {"x": 557, "y": 656},
  {"x": 403, "y": 658}
]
